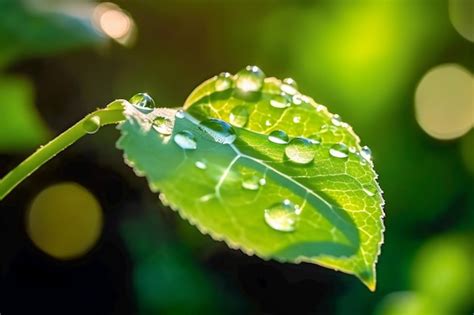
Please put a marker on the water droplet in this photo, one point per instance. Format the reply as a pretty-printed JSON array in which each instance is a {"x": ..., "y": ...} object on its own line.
[
  {"x": 91, "y": 124},
  {"x": 296, "y": 119},
  {"x": 201, "y": 165},
  {"x": 262, "y": 181},
  {"x": 250, "y": 79},
  {"x": 185, "y": 140},
  {"x": 362, "y": 161},
  {"x": 369, "y": 190},
  {"x": 339, "y": 150},
  {"x": 320, "y": 108},
  {"x": 282, "y": 216},
  {"x": 142, "y": 100},
  {"x": 163, "y": 125},
  {"x": 336, "y": 120},
  {"x": 289, "y": 86},
  {"x": 366, "y": 153},
  {"x": 219, "y": 130},
  {"x": 268, "y": 123},
  {"x": 324, "y": 128},
  {"x": 251, "y": 182},
  {"x": 239, "y": 116},
  {"x": 179, "y": 114},
  {"x": 352, "y": 149},
  {"x": 315, "y": 139},
  {"x": 223, "y": 82},
  {"x": 300, "y": 151},
  {"x": 344, "y": 125},
  {"x": 278, "y": 136},
  {"x": 280, "y": 101}
]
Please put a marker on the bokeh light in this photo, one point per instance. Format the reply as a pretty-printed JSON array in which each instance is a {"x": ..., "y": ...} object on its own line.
[
  {"x": 64, "y": 220},
  {"x": 406, "y": 303},
  {"x": 444, "y": 102},
  {"x": 461, "y": 13},
  {"x": 114, "y": 22}
]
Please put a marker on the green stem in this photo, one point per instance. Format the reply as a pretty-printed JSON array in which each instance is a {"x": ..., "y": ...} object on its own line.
[{"x": 111, "y": 115}]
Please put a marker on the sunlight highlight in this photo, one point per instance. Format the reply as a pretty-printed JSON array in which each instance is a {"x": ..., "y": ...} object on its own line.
[{"x": 114, "y": 22}]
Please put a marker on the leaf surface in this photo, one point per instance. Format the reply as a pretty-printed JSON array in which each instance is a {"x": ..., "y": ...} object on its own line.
[{"x": 314, "y": 199}]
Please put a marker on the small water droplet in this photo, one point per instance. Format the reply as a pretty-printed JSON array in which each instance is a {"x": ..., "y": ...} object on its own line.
[
  {"x": 185, "y": 140},
  {"x": 223, "y": 82},
  {"x": 91, "y": 124},
  {"x": 352, "y": 149},
  {"x": 163, "y": 125},
  {"x": 296, "y": 119},
  {"x": 179, "y": 114},
  {"x": 282, "y": 216},
  {"x": 320, "y": 108},
  {"x": 366, "y": 153},
  {"x": 268, "y": 123},
  {"x": 142, "y": 100},
  {"x": 289, "y": 86},
  {"x": 250, "y": 79},
  {"x": 201, "y": 165},
  {"x": 251, "y": 182},
  {"x": 300, "y": 151},
  {"x": 336, "y": 120},
  {"x": 344, "y": 125},
  {"x": 239, "y": 116},
  {"x": 369, "y": 190},
  {"x": 278, "y": 136},
  {"x": 339, "y": 150},
  {"x": 315, "y": 139},
  {"x": 362, "y": 161},
  {"x": 324, "y": 128},
  {"x": 262, "y": 181},
  {"x": 280, "y": 101},
  {"x": 219, "y": 130}
]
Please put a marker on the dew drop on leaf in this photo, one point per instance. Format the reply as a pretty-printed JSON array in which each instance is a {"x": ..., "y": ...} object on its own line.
[
  {"x": 142, "y": 100},
  {"x": 297, "y": 119},
  {"x": 250, "y": 79},
  {"x": 278, "y": 137},
  {"x": 223, "y": 82},
  {"x": 162, "y": 125},
  {"x": 91, "y": 124},
  {"x": 251, "y": 182},
  {"x": 201, "y": 165},
  {"x": 179, "y": 114},
  {"x": 339, "y": 150},
  {"x": 300, "y": 151},
  {"x": 369, "y": 190},
  {"x": 366, "y": 153},
  {"x": 282, "y": 216},
  {"x": 336, "y": 120},
  {"x": 185, "y": 140},
  {"x": 219, "y": 130},
  {"x": 280, "y": 101},
  {"x": 239, "y": 116},
  {"x": 315, "y": 139},
  {"x": 289, "y": 86}
]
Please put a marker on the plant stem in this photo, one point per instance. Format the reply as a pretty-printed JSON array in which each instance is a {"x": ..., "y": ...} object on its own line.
[{"x": 111, "y": 115}]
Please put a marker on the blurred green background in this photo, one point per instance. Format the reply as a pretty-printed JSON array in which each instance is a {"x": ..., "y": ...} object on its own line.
[{"x": 84, "y": 235}]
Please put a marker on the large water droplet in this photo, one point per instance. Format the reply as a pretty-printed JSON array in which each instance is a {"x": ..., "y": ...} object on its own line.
[
  {"x": 366, "y": 153},
  {"x": 278, "y": 136},
  {"x": 239, "y": 116},
  {"x": 142, "y": 100},
  {"x": 300, "y": 151},
  {"x": 219, "y": 130},
  {"x": 91, "y": 124},
  {"x": 289, "y": 86},
  {"x": 185, "y": 140},
  {"x": 251, "y": 182},
  {"x": 250, "y": 79},
  {"x": 223, "y": 82},
  {"x": 282, "y": 216},
  {"x": 201, "y": 165},
  {"x": 339, "y": 150},
  {"x": 163, "y": 125},
  {"x": 280, "y": 101}
]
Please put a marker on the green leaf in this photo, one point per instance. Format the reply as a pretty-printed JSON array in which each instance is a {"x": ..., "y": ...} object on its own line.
[{"x": 299, "y": 202}]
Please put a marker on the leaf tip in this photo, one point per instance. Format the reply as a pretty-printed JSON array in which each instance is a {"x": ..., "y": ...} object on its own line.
[{"x": 368, "y": 279}]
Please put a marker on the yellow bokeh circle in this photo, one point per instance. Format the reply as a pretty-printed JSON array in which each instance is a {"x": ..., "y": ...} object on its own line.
[{"x": 64, "y": 220}]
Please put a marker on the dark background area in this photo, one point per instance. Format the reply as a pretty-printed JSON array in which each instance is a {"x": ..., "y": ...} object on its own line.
[{"x": 365, "y": 60}]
